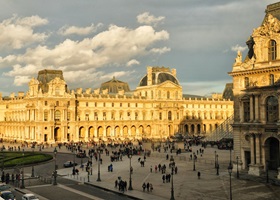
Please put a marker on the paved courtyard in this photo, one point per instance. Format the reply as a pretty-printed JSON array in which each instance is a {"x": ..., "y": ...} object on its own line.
[{"x": 186, "y": 183}]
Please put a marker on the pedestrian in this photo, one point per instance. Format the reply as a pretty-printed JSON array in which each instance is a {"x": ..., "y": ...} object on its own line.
[
  {"x": 144, "y": 187},
  {"x": 156, "y": 168},
  {"x": 176, "y": 170},
  {"x": 151, "y": 187},
  {"x": 148, "y": 187},
  {"x": 163, "y": 178},
  {"x": 198, "y": 174},
  {"x": 167, "y": 156},
  {"x": 116, "y": 183},
  {"x": 151, "y": 169}
]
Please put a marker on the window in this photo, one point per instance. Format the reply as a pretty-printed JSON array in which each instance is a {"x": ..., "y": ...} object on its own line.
[
  {"x": 272, "y": 109},
  {"x": 271, "y": 79},
  {"x": 112, "y": 104},
  {"x": 68, "y": 115},
  {"x": 272, "y": 52},
  {"x": 169, "y": 115},
  {"x": 57, "y": 115},
  {"x": 160, "y": 116},
  {"x": 128, "y": 104},
  {"x": 57, "y": 103},
  {"x": 120, "y": 104},
  {"x": 86, "y": 104},
  {"x": 45, "y": 115},
  {"x": 46, "y": 103},
  {"x": 246, "y": 105},
  {"x": 246, "y": 82},
  {"x": 168, "y": 95}
]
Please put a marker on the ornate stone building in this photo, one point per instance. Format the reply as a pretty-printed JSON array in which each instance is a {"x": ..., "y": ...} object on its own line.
[
  {"x": 50, "y": 112},
  {"x": 256, "y": 83}
]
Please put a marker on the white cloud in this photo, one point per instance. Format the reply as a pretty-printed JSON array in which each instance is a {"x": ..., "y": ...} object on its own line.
[
  {"x": 16, "y": 33},
  {"x": 132, "y": 62},
  {"x": 146, "y": 18},
  {"x": 71, "y": 30},
  {"x": 21, "y": 80},
  {"x": 160, "y": 50},
  {"x": 31, "y": 21},
  {"x": 118, "y": 46},
  {"x": 238, "y": 48}
]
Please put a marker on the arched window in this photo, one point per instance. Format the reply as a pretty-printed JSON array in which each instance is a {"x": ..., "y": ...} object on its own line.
[
  {"x": 57, "y": 115},
  {"x": 272, "y": 109},
  {"x": 169, "y": 115},
  {"x": 168, "y": 95},
  {"x": 272, "y": 50}
]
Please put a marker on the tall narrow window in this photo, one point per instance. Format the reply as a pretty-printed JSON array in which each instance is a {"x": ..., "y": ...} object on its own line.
[
  {"x": 246, "y": 105},
  {"x": 168, "y": 95},
  {"x": 246, "y": 82},
  {"x": 271, "y": 79},
  {"x": 45, "y": 115},
  {"x": 169, "y": 115},
  {"x": 57, "y": 115},
  {"x": 272, "y": 50},
  {"x": 272, "y": 109}
]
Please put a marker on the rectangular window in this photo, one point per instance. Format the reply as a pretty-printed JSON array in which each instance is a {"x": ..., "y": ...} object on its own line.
[
  {"x": 46, "y": 103},
  {"x": 246, "y": 105}
]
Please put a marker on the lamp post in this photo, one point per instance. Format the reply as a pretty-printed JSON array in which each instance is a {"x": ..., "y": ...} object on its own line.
[
  {"x": 55, "y": 172},
  {"x": 91, "y": 164},
  {"x": 267, "y": 177},
  {"x": 217, "y": 167},
  {"x": 230, "y": 171},
  {"x": 215, "y": 159},
  {"x": 32, "y": 171},
  {"x": 98, "y": 174},
  {"x": 22, "y": 178},
  {"x": 130, "y": 171},
  {"x": 172, "y": 186},
  {"x": 237, "y": 171},
  {"x": 74, "y": 164},
  {"x": 194, "y": 158}
]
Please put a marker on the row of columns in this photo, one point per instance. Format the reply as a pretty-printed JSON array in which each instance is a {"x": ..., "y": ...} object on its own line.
[
  {"x": 254, "y": 109},
  {"x": 255, "y": 148}
]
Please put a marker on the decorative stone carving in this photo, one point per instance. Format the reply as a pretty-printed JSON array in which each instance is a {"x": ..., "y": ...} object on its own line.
[{"x": 270, "y": 26}]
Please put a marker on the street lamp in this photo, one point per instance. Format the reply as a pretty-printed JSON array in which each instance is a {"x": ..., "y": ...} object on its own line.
[
  {"x": 55, "y": 172},
  {"x": 217, "y": 167},
  {"x": 172, "y": 186},
  {"x": 215, "y": 159},
  {"x": 130, "y": 181},
  {"x": 194, "y": 158},
  {"x": 74, "y": 164},
  {"x": 22, "y": 178},
  {"x": 32, "y": 171},
  {"x": 230, "y": 171},
  {"x": 267, "y": 177},
  {"x": 91, "y": 163},
  {"x": 98, "y": 177},
  {"x": 237, "y": 171}
]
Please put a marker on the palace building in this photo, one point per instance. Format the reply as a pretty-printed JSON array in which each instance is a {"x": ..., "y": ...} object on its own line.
[
  {"x": 256, "y": 89},
  {"x": 49, "y": 112}
]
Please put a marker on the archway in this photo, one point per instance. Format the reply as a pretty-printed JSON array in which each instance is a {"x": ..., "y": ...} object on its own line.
[
  {"x": 82, "y": 133},
  {"x": 272, "y": 153},
  {"x": 57, "y": 134},
  {"x": 100, "y": 132},
  {"x": 91, "y": 132}
]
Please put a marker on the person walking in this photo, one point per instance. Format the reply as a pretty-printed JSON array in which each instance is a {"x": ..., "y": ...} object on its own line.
[
  {"x": 148, "y": 187},
  {"x": 144, "y": 187},
  {"x": 198, "y": 174}
]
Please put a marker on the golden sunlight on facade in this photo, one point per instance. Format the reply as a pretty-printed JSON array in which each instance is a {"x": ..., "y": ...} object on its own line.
[{"x": 49, "y": 112}]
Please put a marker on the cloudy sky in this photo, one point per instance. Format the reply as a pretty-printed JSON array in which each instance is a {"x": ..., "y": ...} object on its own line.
[{"x": 94, "y": 40}]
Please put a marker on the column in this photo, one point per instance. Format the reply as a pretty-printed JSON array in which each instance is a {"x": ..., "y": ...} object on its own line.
[
  {"x": 256, "y": 108},
  {"x": 251, "y": 108},
  {"x": 258, "y": 152},
  {"x": 241, "y": 111},
  {"x": 252, "y": 149}
]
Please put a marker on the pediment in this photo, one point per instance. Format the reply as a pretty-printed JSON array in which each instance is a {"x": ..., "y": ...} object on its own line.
[{"x": 168, "y": 84}]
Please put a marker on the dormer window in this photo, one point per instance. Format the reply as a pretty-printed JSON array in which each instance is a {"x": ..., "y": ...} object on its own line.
[{"x": 272, "y": 50}]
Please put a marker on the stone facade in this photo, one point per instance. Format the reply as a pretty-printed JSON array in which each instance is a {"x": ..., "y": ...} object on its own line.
[
  {"x": 256, "y": 88},
  {"x": 50, "y": 112}
]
